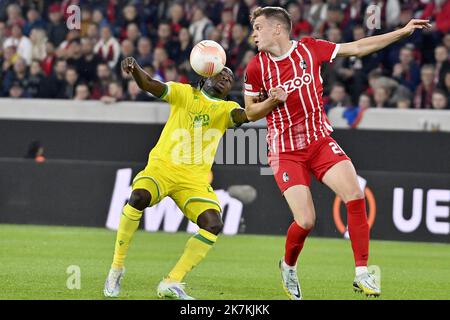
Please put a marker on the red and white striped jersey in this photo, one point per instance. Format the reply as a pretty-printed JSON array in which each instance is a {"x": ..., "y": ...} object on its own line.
[{"x": 301, "y": 120}]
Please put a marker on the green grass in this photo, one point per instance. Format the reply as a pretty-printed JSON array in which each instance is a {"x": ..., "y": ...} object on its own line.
[{"x": 34, "y": 260}]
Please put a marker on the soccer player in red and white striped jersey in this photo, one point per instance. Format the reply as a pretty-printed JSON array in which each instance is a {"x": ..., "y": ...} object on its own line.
[{"x": 299, "y": 132}]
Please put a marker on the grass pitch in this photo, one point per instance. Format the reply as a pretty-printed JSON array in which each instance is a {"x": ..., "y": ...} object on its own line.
[{"x": 34, "y": 261}]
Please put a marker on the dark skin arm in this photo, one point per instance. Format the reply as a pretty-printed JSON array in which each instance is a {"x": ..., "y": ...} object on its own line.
[
  {"x": 239, "y": 115},
  {"x": 142, "y": 78}
]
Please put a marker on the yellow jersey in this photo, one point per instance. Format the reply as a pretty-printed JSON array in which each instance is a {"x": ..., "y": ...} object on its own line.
[{"x": 193, "y": 131}]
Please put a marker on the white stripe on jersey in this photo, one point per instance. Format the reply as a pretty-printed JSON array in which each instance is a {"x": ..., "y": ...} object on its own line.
[
  {"x": 313, "y": 121},
  {"x": 265, "y": 88},
  {"x": 303, "y": 102},
  {"x": 273, "y": 112},
  {"x": 278, "y": 109},
  {"x": 315, "y": 91},
  {"x": 287, "y": 111}
]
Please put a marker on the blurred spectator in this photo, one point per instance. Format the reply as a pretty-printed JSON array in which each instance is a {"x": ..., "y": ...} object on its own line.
[
  {"x": 86, "y": 20},
  {"x": 21, "y": 42},
  {"x": 35, "y": 80},
  {"x": 129, "y": 16},
  {"x": 161, "y": 61},
  {"x": 14, "y": 15},
  {"x": 10, "y": 57},
  {"x": 33, "y": 21},
  {"x": 70, "y": 84},
  {"x": 338, "y": 97},
  {"x": 407, "y": 71},
  {"x": 49, "y": 59},
  {"x": 75, "y": 55},
  {"x": 445, "y": 85},
  {"x": 299, "y": 24},
  {"x": 442, "y": 63},
  {"x": 93, "y": 32},
  {"x": 144, "y": 49},
  {"x": 165, "y": 40},
  {"x": 99, "y": 19},
  {"x": 240, "y": 69},
  {"x": 226, "y": 28},
  {"x": 184, "y": 49},
  {"x": 90, "y": 61},
  {"x": 38, "y": 39},
  {"x": 56, "y": 82},
  {"x": 353, "y": 115},
  {"x": 3, "y": 34},
  {"x": 214, "y": 35},
  {"x": 108, "y": 48},
  {"x": 446, "y": 41},
  {"x": 239, "y": 46},
  {"x": 16, "y": 91},
  {"x": 56, "y": 29},
  {"x": 134, "y": 93},
  {"x": 18, "y": 75},
  {"x": 114, "y": 94},
  {"x": 403, "y": 103},
  {"x": 438, "y": 11},
  {"x": 177, "y": 19},
  {"x": 381, "y": 98},
  {"x": 200, "y": 26},
  {"x": 424, "y": 92},
  {"x": 126, "y": 50},
  {"x": 439, "y": 100},
  {"x": 104, "y": 78},
  {"x": 317, "y": 14},
  {"x": 133, "y": 34},
  {"x": 81, "y": 92},
  {"x": 35, "y": 151}
]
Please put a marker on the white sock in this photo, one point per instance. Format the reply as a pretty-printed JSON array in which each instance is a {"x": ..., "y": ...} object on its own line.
[
  {"x": 361, "y": 270},
  {"x": 286, "y": 266}
]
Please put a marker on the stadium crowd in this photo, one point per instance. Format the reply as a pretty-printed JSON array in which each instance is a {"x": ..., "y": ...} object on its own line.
[{"x": 42, "y": 58}]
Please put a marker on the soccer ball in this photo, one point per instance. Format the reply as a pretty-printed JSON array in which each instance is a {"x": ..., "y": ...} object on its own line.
[{"x": 207, "y": 58}]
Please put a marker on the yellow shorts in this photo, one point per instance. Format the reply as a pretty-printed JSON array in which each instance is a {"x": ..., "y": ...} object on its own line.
[{"x": 191, "y": 192}]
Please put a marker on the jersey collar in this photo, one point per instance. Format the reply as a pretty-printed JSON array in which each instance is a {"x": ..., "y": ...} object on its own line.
[
  {"x": 209, "y": 97},
  {"x": 287, "y": 54}
]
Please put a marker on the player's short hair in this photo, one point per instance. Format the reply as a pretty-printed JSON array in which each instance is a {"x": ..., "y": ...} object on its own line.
[{"x": 276, "y": 13}]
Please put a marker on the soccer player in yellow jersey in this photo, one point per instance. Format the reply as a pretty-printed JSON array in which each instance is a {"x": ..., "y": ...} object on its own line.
[{"x": 178, "y": 167}]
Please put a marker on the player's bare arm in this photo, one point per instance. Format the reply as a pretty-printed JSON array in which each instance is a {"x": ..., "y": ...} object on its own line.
[
  {"x": 142, "y": 78},
  {"x": 369, "y": 45},
  {"x": 239, "y": 116},
  {"x": 258, "y": 110}
]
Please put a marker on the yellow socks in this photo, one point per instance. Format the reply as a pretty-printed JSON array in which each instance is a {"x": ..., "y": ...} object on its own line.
[
  {"x": 129, "y": 222},
  {"x": 195, "y": 251}
]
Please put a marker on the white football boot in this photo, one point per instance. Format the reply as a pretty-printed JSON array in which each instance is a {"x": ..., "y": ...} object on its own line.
[
  {"x": 366, "y": 283},
  {"x": 289, "y": 281},
  {"x": 172, "y": 290},
  {"x": 112, "y": 283}
]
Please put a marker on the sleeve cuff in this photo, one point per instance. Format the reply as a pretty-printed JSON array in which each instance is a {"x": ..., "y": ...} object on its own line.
[
  {"x": 250, "y": 93},
  {"x": 335, "y": 52}
]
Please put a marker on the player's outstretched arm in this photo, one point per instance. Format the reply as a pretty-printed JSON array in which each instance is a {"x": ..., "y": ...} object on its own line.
[
  {"x": 142, "y": 78},
  {"x": 257, "y": 108},
  {"x": 369, "y": 45},
  {"x": 239, "y": 116}
]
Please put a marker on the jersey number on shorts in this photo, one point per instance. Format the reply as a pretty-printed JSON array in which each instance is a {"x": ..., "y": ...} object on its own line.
[{"x": 336, "y": 148}]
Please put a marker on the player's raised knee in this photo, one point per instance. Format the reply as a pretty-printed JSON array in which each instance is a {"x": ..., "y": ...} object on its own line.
[
  {"x": 355, "y": 194},
  {"x": 140, "y": 199},
  {"x": 306, "y": 223},
  {"x": 210, "y": 221}
]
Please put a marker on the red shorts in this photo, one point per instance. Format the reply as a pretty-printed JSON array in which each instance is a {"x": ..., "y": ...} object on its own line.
[{"x": 293, "y": 168}]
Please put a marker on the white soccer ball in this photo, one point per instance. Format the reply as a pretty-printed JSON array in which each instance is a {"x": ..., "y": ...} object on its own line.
[{"x": 207, "y": 58}]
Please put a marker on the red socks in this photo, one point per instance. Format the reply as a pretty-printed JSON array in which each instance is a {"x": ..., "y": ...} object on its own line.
[
  {"x": 295, "y": 239},
  {"x": 358, "y": 229}
]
